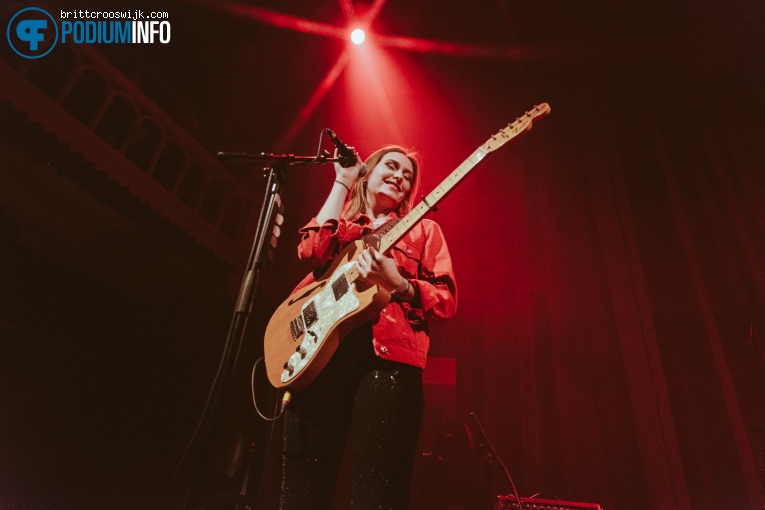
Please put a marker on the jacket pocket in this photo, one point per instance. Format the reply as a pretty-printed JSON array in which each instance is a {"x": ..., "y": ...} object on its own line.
[{"x": 408, "y": 257}]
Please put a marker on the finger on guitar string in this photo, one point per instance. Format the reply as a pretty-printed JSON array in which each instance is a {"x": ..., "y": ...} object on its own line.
[
  {"x": 371, "y": 256},
  {"x": 363, "y": 266},
  {"x": 376, "y": 255}
]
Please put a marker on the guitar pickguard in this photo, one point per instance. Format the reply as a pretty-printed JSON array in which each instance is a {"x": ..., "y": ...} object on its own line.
[{"x": 327, "y": 309}]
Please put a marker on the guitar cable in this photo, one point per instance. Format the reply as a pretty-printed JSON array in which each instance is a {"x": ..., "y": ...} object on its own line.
[{"x": 286, "y": 397}]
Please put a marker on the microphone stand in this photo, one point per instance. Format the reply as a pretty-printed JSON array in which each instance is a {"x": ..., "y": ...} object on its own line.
[{"x": 275, "y": 166}]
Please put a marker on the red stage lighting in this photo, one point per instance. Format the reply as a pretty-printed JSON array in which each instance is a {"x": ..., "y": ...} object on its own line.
[{"x": 358, "y": 36}]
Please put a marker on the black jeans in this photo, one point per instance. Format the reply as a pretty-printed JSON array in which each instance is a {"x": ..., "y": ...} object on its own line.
[{"x": 381, "y": 403}]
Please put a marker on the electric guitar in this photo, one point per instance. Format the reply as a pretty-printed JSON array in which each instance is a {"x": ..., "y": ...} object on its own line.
[{"x": 306, "y": 329}]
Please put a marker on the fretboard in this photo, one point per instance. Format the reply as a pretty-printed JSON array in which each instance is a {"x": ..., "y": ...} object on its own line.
[{"x": 429, "y": 202}]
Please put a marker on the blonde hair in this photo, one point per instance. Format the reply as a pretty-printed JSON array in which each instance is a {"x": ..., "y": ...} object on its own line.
[{"x": 357, "y": 203}]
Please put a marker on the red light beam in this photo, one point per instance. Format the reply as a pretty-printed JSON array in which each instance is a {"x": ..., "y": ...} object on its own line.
[
  {"x": 330, "y": 78},
  {"x": 278, "y": 19},
  {"x": 318, "y": 95},
  {"x": 515, "y": 53},
  {"x": 347, "y": 7},
  {"x": 377, "y": 87},
  {"x": 373, "y": 11}
]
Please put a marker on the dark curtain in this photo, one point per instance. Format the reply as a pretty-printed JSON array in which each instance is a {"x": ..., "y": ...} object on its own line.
[
  {"x": 610, "y": 334},
  {"x": 610, "y": 326}
]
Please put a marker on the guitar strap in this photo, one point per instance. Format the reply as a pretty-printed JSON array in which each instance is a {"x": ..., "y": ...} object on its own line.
[{"x": 375, "y": 237}]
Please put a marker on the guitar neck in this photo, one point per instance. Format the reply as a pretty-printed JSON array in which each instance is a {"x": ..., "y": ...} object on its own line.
[
  {"x": 521, "y": 125},
  {"x": 420, "y": 210},
  {"x": 429, "y": 202}
]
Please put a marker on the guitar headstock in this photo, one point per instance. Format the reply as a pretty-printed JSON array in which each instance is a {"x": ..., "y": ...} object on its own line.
[{"x": 520, "y": 125}]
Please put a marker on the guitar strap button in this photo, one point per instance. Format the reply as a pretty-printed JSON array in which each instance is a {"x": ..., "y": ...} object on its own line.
[{"x": 383, "y": 350}]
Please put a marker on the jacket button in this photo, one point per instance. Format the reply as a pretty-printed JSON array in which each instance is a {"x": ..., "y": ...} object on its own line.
[
  {"x": 383, "y": 350},
  {"x": 409, "y": 250}
]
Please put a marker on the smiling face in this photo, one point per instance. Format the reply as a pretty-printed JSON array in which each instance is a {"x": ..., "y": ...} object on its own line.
[{"x": 389, "y": 182}]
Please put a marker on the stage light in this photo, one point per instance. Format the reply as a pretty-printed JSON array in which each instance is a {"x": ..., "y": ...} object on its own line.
[{"x": 358, "y": 36}]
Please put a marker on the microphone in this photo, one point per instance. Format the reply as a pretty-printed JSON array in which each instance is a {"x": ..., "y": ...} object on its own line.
[{"x": 347, "y": 156}]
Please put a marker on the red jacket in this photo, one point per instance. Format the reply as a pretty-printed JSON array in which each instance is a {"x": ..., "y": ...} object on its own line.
[{"x": 400, "y": 331}]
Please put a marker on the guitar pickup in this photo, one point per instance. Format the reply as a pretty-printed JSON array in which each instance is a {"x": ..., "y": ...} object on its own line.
[
  {"x": 310, "y": 316},
  {"x": 340, "y": 287},
  {"x": 297, "y": 327}
]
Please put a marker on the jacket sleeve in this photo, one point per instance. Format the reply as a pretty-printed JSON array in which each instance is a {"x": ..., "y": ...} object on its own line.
[
  {"x": 435, "y": 282},
  {"x": 320, "y": 243}
]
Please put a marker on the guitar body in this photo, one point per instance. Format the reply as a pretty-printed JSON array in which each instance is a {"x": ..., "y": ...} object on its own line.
[{"x": 306, "y": 330}]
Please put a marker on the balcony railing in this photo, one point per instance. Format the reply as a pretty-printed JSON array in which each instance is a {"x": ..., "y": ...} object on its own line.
[{"x": 76, "y": 95}]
